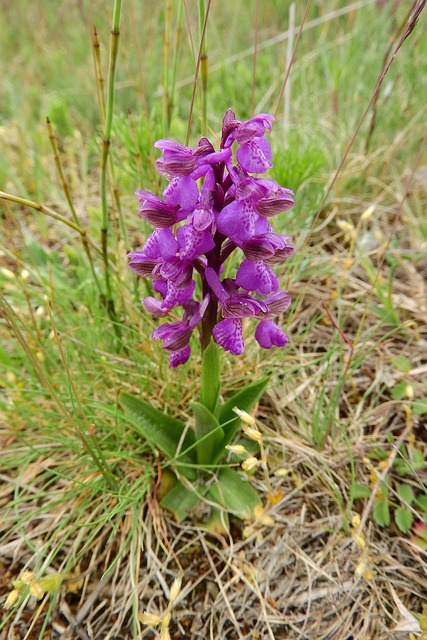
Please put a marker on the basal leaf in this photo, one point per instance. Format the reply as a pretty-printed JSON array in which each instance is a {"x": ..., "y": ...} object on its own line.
[
  {"x": 180, "y": 501},
  {"x": 234, "y": 493},
  {"x": 245, "y": 399},
  {"x": 162, "y": 432}
]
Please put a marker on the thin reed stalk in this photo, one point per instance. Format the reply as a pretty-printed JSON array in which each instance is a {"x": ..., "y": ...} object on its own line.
[
  {"x": 64, "y": 184},
  {"x": 203, "y": 65},
  {"x": 166, "y": 63},
  {"x": 177, "y": 43},
  {"x": 49, "y": 212},
  {"x": 290, "y": 62},
  {"x": 254, "y": 66},
  {"x": 106, "y": 142}
]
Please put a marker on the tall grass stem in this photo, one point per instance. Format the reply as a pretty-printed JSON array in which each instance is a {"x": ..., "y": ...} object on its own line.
[{"x": 196, "y": 72}]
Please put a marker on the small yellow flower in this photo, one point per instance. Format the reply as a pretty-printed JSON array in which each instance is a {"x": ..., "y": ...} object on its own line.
[
  {"x": 150, "y": 619},
  {"x": 236, "y": 448},
  {"x": 7, "y": 273},
  {"x": 252, "y": 433},
  {"x": 359, "y": 540},
  {"x": 367, "y": 213},
  {"x": 11, "y": 599},
  {"x": 175, "y": 589},
  {"x": 36, "y": 590},
  {"x": 281, "y": 472},
  {"x": 250, "y": 463},
  {"x": 27, "y": 577},
  {"x": 355, "y": 520},
  {"x": 244, "y": 416},
  {"x": 25, "y": 275},
  {"x": 11, "y": 377}
]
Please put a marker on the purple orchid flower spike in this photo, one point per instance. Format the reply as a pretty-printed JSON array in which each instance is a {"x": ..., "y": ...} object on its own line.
[{"x": 198, "y": 227}]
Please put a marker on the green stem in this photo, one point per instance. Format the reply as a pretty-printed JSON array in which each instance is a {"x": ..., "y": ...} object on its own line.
[{"x": 211, "y": 377}]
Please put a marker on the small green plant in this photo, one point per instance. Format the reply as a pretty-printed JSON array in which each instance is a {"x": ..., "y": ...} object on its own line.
[{"x": 396, "y": 499}]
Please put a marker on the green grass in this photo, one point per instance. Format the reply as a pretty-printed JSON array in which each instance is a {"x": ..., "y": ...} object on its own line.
[{"x": 79, "y": 488}]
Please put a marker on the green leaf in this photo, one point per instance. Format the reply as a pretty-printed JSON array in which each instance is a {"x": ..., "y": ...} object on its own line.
[
  {"x": 245, "y": 399},
  {"x": 418, "y": 463},
  {"x": 401, "y": 363},
  {"x": 208, "y": 433},
  {"x": 399, "y": 391},
  {"x": 420, "y": 407},
  {"x": 180, "y": 501},
  {"x": 403, "y": 518},
  {"x": 211, "y": 363},
  {"x": 162, "y": 432},
  {"x": 361, "y": 491},
  {"x": 382, "y": 512},
  {"x": 234, "y": 493},
  {"x": 421, "y": 501},
  {"x": 406, "y": 493}
]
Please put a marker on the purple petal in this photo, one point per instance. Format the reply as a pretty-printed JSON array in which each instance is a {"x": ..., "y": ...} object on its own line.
[
  {"x": 154, "y": 307},
  {"x": 182, "y": 192},
  {"x": 199, "y": 312},
  {"x": 202, "y": 219},
  {"x": 255, "y": 156},
  {"x": 177, "y": 358},
  {"x": 192, "y": 242},
  {"x": 215, "y": 284},
  {"x": 243, "y": 306},
  {"x": 175, "y": 336},
  {"x": 237, "y": 221},
  {"x": 277, "y": 303},
  {"x": 272, "y": 206},
  {"x": 254, "y": 128},
  {"x": 141, "y": 265},
  {"x": 177, "y": 296},
  {"x": 228, "y": 334},
  {"x": 268, "y": 335},
  {"x": 256, "y": 276},
  {"x": 176, "y": 161},
  {"x": 177, "y": 271}
]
